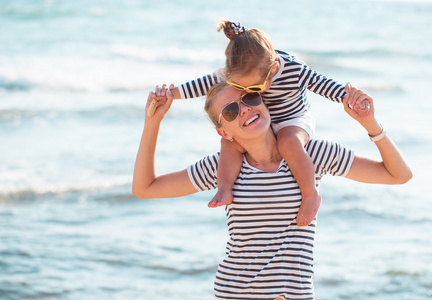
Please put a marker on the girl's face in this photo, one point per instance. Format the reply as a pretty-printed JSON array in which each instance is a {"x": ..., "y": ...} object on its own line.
[
  {"x": 251, "y": 122},
  {"x": 254, "y": 81}
]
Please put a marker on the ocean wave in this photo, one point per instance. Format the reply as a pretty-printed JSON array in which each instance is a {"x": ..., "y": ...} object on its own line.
[
  {"x": 20, "y": 289},
  {"x": 14, "y": 252},
  {"x": 104, "y": 113},
  {"x": 169, "y": 55},
  {"x": 57, "y": 83},
  {"x": 95, "y": 76},
  {"x": 130, "y": 68},
  {"x": 11, "y": 84},
  {"x": 13, "y": 194},
  {"x": 381, "y": 86},
  {"x": 401, "y": 272},
  {"x": 124, "y": 68},
  {"x": 374, "y": 214},
  {"x": 179, "y": 271},
  {"x": 46, "y": 10},
  {"x": 371, "y": 52}
]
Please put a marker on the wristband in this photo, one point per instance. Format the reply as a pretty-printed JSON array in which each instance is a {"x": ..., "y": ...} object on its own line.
[{"x": 378, "y": 137}]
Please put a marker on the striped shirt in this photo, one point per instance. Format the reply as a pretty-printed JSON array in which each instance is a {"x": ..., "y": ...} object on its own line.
[
  {"x": 286, "y": 98},
  {"x": 267, "y": 255}
]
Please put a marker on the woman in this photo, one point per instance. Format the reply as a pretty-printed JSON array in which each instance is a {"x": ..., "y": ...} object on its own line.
[{"x": 268, "y": 255}]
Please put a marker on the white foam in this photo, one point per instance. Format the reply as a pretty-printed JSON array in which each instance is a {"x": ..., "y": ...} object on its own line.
[{"x": 123, "y": 72}]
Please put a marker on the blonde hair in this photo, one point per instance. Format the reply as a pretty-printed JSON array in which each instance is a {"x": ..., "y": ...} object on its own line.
[
  {"x": 211, "y": 96},
  {"x": 247, "y": 49}
]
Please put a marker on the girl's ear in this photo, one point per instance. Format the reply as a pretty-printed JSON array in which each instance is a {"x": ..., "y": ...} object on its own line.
[{"x": 275, "y": 67}]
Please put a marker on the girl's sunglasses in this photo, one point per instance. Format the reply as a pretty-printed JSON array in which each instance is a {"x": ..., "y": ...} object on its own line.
[
  {"x": 231, "y": 111},
  {"x": 252, "y": 88}
]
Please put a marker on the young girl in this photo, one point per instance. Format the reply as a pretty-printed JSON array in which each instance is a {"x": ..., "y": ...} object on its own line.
[{"x": 254, "y": 66}]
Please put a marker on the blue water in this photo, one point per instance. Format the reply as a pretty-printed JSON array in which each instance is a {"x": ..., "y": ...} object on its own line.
[{"x": 74, "y": 78}]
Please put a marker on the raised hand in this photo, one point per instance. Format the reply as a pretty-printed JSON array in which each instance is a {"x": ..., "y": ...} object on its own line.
[
  {"x": 358, "y": 104},
  {"x": 159, "y": 102}
]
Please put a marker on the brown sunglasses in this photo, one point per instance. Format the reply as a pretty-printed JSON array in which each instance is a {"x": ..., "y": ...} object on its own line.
[{"x": 231, "y": 111}]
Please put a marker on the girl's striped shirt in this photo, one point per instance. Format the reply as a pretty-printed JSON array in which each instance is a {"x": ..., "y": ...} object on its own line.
[
  {"x": 267, "y": 254},
  {"x": 287, "y": 97}
]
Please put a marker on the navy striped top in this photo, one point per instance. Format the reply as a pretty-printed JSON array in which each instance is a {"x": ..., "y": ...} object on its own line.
[
  {"x": 267, "y": 254},
  {"x": 287, "y": 97}
]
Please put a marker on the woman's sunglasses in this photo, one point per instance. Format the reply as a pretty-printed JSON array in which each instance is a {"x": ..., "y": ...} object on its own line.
[
  {"x": 231, "y": 111},
  {"x": 252, "y": 88}
]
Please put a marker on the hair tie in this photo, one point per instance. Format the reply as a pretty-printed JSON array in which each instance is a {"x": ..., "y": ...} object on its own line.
[{"x": 238, "y": 28}]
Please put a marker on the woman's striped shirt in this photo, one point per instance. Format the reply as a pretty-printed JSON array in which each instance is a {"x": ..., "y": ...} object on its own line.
[
  {"x": 287, "y": 97},
  {"x": 267, "y": 255}
]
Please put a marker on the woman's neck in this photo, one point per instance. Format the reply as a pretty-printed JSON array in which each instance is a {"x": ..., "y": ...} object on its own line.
[
  {"x": 262, "y": 162},
  {"x": 263, "y": 153}
]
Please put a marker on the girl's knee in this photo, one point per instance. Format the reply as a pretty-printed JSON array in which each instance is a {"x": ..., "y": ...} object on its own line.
[
  {"x": 293, "y": 135},
  {"x": 290, "y": 141}
]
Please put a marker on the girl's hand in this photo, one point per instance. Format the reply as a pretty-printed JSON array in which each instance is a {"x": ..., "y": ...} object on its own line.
[
  {"x": 358, "y": 104},
  {"x": 159, "y": 102},
  {"x": 162, "y": 91}
]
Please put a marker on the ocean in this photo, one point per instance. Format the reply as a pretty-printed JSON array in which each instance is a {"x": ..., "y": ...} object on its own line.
[{"x": 74, "y": 79}]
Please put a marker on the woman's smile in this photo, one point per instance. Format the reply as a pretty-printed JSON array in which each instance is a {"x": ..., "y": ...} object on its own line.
[{"x": 251, "y": 120}]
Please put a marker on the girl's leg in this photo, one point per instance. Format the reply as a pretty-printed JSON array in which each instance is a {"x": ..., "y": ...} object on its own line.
[
  {"x": 291, "y": 142},
  {"x": 230, "y": 162}
]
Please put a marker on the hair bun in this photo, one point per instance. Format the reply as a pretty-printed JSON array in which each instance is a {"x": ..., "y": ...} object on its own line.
[
  {"x": 231, "y": 29},
  {"x": 238, "y": 28}
]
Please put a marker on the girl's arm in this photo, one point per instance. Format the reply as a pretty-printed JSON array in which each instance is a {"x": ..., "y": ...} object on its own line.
[
  {"x": 318, "y": 83},
  {"x": 146, "y": 184},
  {"x": 194, "y": 88},
  {"x": 323, "y": 86},
  {"x": 392, "y": 169}
]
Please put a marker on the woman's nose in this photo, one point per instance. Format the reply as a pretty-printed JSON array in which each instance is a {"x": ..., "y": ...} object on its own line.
[{"x": 244, "y": 108}]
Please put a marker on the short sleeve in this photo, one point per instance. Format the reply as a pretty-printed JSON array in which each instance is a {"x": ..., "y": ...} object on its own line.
[
  {"x": 203, "y": 174},
  {"x": 330, "y": 158}
]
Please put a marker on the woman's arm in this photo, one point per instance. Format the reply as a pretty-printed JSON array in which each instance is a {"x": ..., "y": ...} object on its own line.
[
  {"x": 392, "y": 169},
  {"x": 146, "y": 184}
]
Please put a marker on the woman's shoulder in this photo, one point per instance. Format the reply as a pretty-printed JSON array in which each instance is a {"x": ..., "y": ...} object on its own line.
[
  {"x": 316, "y": 146},
  {"x": 329, "y": 156}
]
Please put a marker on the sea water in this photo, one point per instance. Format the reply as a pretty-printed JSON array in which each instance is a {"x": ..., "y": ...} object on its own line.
[{"x": 74, "y": 79}]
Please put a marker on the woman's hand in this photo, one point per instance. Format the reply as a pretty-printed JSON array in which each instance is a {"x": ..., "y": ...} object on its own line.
[
  {"x": 146, "y": 183},
  {"x": 393, "y": 169},
  {"x": 358, "y": 104},
  {"x": 159, "y": 102},
  {"x": 366, "y": 118}
]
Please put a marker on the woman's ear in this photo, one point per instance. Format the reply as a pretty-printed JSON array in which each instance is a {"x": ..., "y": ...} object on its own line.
[{"x": 224, "y": 134}]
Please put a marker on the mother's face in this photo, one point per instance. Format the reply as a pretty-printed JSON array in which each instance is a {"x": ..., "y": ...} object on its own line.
[{"x": 251, "y": 121}]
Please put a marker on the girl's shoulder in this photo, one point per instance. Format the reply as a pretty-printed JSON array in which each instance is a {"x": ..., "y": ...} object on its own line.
[{"x": 288, "y": 58}]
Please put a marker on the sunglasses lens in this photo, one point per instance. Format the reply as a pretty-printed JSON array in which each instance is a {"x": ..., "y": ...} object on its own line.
[
  {"x": 252, "y": 99},
  {"x": 231, "y": 111},
  {"x": 254, "y": 89}
]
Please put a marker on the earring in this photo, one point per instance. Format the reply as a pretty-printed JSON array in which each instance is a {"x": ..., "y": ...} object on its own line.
[{"x": 230, "y": 139}]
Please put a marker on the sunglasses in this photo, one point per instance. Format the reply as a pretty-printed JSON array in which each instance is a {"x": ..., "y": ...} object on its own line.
[
  {"x": 231, "y": 111},
  {"x": 252, "y": 88}
]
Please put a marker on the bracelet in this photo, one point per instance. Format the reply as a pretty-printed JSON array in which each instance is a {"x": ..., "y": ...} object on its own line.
[{"x": 379, "y": 136}]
